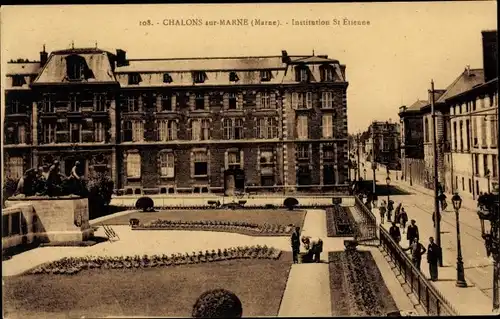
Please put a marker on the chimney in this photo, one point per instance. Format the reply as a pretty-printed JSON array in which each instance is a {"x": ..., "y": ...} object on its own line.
[
  {"x": 490, "y": 55},
  {"x": 284, "y": 57},
  {"x": 43, "y": 57},
  {"x": 467, "y": 69},
  {"x": 121, "y": 57}
]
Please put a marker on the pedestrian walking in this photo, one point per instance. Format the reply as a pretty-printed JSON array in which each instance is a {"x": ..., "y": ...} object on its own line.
[
  {"x": 417, "y": 250},
  {"x": 390, "y": 208},
  {"x": 433, "y": 257},
  {"x": 382, "y": 210},
  {"x": 296, "y": 245},
  {"x": 442, "y": 201},
  {"x": 412, "y": 232},
  {"x": 397, "y": 214},
  {"x": 403, "y": 219},
  {"x": 395, "y": 233}
]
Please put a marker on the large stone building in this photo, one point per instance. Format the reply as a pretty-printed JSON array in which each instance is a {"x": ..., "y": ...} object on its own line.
[
  {"x": 466, "y": 131},
  {"x": 186, "y": 125},
  {"x": 384, "y": 143}
]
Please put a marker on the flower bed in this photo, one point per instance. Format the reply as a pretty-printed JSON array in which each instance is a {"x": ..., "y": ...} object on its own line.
[
  {"x": 357, "y": 287},
  {"x": 73, "y": 265},
  {"x": 339, "y": 222},
  {"x": 217, "y": 225}
]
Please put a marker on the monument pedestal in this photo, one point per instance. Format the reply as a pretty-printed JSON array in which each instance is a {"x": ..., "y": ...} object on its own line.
[{"x": 55, "y": 219}]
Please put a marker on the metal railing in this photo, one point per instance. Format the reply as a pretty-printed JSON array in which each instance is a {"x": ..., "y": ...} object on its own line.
[
  {"x": 367, "y": 230},
  {"x": 429, "y": 297}
]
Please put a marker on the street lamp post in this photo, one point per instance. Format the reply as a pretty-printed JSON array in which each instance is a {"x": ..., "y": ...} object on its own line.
[
  {"x": 457, "y": 203},
  {"x": 488, "y": 177},
  {"x": 411, "y": 183},
  {"x": 489, "y": 211},
  {"x": 388, "y": 181}
]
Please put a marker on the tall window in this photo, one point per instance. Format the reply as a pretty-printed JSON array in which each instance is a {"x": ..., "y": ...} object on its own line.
[
  {"x": 133, "y": 104},
  {"x": 199, "y": 77},
  {"x": 265, "y": 75},
  {"x": 16, "y": 167},
  {"x": 455, "y": 145},
  {"x": 485, "y": 164},
  {"x": 426, "y": 130},
  {"x": 467, "y": 133},
  {"x": 100, "y": 102},
  {"x": 134, "y": 165},
  {"x": 302, "y": 127},
  {"x": 165, "y": 102},
  {"x": 493, "y": 131},
  {"x": 327, "y": 75},
  {"x": 48, "y": 104},
  {"x": 99, "y": 132},
  {"x": 134, "y": 78},
  {"x": 303, "y": 151},
  {"x": 461, "y": 136},
  {"x": 267, "y": 166},
  {"x": 233, "y": 101},
  {"x": 327, "y": 100},
  {"x": 476, "y": 164},
  {"x": 167, "y": 164},
  {"x": 200, "y": 161},
  {"x": 199, "y": 101},
  {"x": 304, "y": 75},
  {"x": 232, "y": 129},
  {"x": 484, "y": 141},
  {"x": 75, "y": 67},
  {"x": 75, "y": 132},
  {"x": 328, "y": 153},
  {"x": 494, "y": 167},
  {"x": 475, "y": 138},
  {"x": 73, "y": 103},
  {"x": 49, "y": 133},
  {"x": 234, "y": 159},
  {"x": 168, "y": 130},
  {"x": 302, "y": 100},
  {"x": 21, "y": 134},
  {"x": 137, "y": 131},
  {"x": 327, "y": 126},
  {"x": 267, "y": 128},
  {"x": 127, "y": 131},
  {"x": 265, "y": 100},
  {"x": 200, "y": 129}
]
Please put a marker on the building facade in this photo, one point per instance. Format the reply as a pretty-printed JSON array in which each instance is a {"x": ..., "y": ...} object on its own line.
[
  {"x": 384, "y": 143},
  {"x": 181, "y": 125}
]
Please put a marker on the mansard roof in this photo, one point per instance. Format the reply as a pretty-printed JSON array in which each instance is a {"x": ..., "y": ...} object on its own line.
[
  {"x": 468, "y": 79},
  {"x": 24, "y": 68}
]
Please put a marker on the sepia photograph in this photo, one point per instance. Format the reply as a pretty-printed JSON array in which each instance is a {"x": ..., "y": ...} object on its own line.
[{"x": 250, "y": 160}]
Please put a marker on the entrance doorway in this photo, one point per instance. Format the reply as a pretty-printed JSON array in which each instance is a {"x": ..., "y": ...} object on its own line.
[{"x": 234, "y": 181}]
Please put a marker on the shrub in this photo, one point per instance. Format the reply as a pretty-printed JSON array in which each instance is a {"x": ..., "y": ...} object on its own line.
[
  {"x": 100, "y": 188},
  {"x": 290, "y": 203},
  {"x": 217, "y": 303},
  {"x": 145, "y": 203}
]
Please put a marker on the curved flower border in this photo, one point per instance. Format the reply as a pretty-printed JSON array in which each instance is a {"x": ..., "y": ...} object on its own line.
[
  {"x": 216, "y": 225},
  {"x": 73, "y": 265}
]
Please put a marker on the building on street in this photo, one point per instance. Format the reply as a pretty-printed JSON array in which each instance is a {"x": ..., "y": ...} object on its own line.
[
  {"x": 181, "y": 125},
  {"x": 384, "y": 143}
]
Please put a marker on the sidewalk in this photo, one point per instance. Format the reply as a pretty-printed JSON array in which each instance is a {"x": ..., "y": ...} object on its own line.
[{"x": 419, "y": 204}]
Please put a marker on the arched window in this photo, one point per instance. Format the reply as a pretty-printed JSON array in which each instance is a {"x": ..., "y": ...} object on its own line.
[{"x": 75, "y": 67}]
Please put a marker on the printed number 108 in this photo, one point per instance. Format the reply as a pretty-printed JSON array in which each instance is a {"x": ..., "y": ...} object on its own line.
[{"x": 145, "y": 22}]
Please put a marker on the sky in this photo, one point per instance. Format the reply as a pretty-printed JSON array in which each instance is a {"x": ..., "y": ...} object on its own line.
[{"x": 389, "y": 62}]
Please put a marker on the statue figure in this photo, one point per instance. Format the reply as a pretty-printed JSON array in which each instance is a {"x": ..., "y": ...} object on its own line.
[
  {"x": 54, "y": 180},
  {"x": 41, "y": 182},
  {"x": 75, "y": 181},
  {"x": 26, "y": 184}
]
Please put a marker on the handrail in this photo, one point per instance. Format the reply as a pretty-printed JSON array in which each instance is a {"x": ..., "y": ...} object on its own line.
[
  {"x": 368, "y": 213},
  {"x": 429, "y": 297}
]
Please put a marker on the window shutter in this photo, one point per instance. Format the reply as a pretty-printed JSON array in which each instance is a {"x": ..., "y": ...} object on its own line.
[
  {"x": 225, "y": 100},
  {"x": 174, "y": 102},
  {"x": 122, "y": 131},
  {"x": 175, "y": 129},
  {"x": 206, "y": 102},
  {"x": 321, "y": 99},
  {"x": 191, "y": 101},
  {"x": 239, "y": 106},
  {"x": 273, "y": 100},
  {"x": 158, "y": 103},
  {"x": 257, "y": 100},
  {"x": 309, "y": 100},
  {"x": 140, "y": 102},
  {"x": 226, "y": 160},
  {"x": 295, "y": 98},
  {"x": 242, "y": 159},
  {"x": 192, "y": 164}
]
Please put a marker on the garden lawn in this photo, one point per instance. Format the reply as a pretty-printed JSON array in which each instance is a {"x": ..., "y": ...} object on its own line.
[
  {"x": 357, "y": 287},
  {"x": 164, "y": 291},
  {"x": 258, "y": 216}
]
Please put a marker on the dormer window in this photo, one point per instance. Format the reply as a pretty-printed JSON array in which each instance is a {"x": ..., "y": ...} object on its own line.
[
  {"x": 134, "y": 78},
  {"x": 302, "y": 74},
  {"x": 167, "y": 78},
  {"x": 199, "y": 77},
  {"x": 327, "y": 73},
  {"x": 75, "y": 68},
  {"x": 233, "y": 77},
  {"x": 265, "y": 75},
  {"x": 18, "y": 80}
]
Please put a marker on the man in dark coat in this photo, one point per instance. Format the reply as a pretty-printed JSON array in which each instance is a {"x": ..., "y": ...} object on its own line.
[
  {"x": 433, "y": 257},
  {"x": 412, "y": 232},
  {"x": 296, "y": 245},
  {"x": 395, "y": 233},
  {"x": 417, "y": 250},
  {"x": 390, "y": 208}
]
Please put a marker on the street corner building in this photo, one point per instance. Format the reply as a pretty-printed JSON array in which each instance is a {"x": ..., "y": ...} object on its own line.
[{"x": 181, "y": 125}]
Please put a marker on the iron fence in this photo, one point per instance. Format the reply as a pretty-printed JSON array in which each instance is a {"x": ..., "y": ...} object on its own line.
[
  {"x": 429, "y": 297},
  {"x": 367, "y": 230}
]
